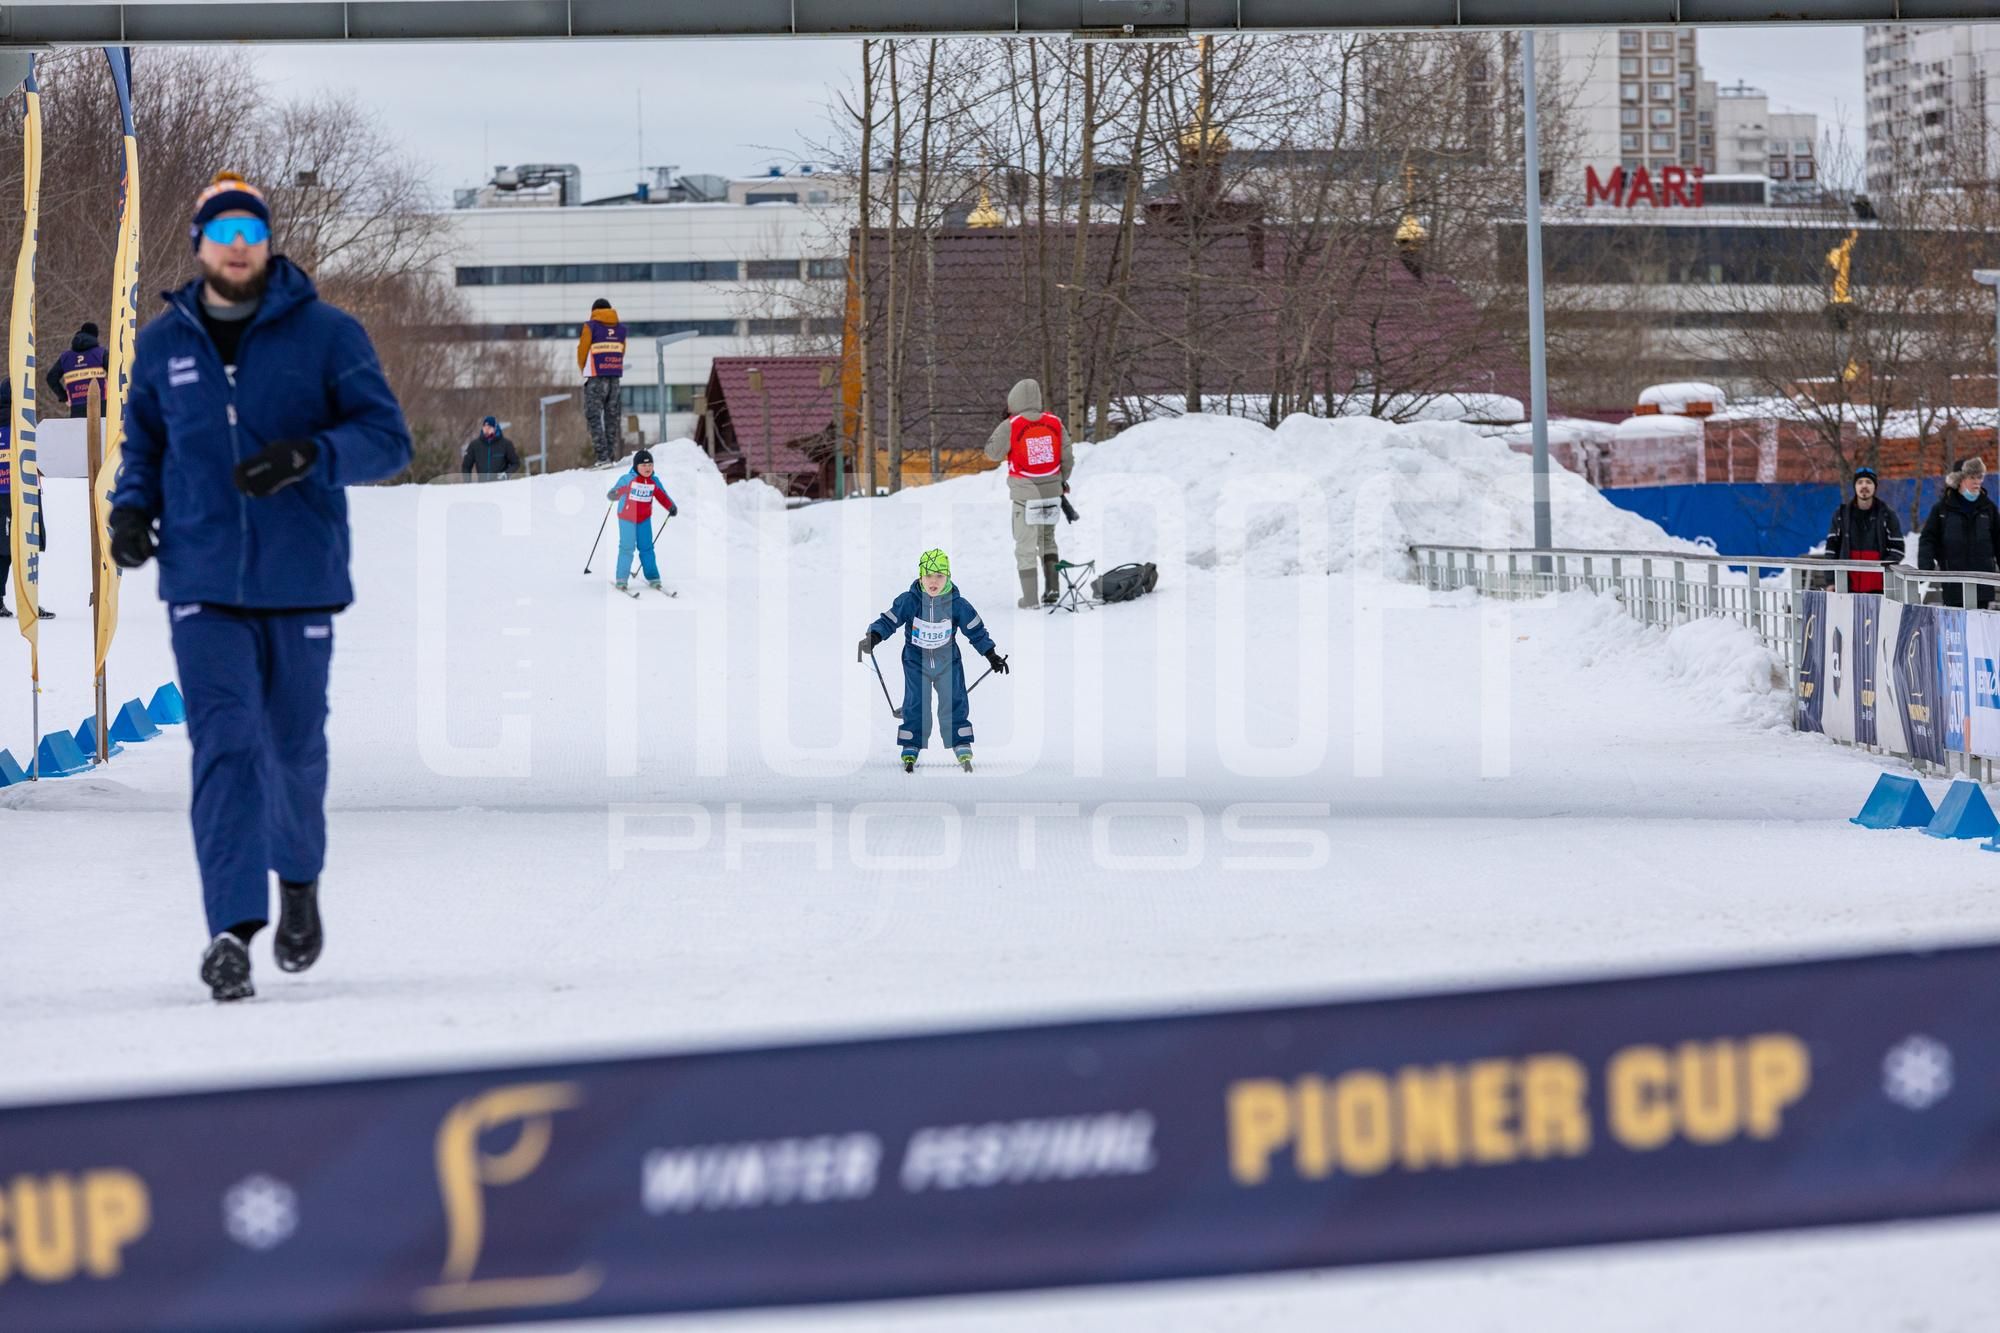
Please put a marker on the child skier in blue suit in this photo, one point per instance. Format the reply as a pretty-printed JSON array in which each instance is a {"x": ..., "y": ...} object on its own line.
[
  {"x": 931, "y": 615},
  {"x": 635, "y": 495}
]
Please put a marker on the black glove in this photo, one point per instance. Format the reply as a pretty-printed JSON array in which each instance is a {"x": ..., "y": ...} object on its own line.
[
  {"x": 673, "y": 510},
  {"x": 132, "y": 542},
  {"x": 275, "y": 467},
  {"x": 1069, "y": 510},
  {"x": 997, "y": 662},
  {"x": 868, "y": 642}
]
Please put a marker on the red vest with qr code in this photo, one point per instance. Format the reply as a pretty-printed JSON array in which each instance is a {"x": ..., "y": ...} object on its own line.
[{"x": 1036, "y": 449}]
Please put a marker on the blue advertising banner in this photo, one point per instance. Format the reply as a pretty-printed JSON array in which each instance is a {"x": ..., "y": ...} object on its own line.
[
  {"x": 1812, "y": 662},
  {"x": 1917, "y": 682},
  {"x": 1794, "y": 1095},
  {"x": 1862, "y": 655},
  {"x": 1954, "y": 678}
]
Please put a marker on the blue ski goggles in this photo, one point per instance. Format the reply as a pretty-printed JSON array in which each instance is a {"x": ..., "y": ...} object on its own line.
[{"x": 228, "y": 231}]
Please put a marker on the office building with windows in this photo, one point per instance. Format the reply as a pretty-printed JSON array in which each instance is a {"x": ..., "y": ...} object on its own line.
[
  {"x": 748, "y": 267},
  {"x": 1933, "y": 97},
  {"x": 1635, "y": 98},
  {"x": 1630, "y": 96}
]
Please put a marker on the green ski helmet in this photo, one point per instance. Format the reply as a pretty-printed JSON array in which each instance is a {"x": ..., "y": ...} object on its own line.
[{"x": 935, "y": 561}]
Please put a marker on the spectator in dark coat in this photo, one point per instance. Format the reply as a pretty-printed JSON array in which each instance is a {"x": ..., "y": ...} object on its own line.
[
  {"x": 1865, "y": 529},
  {"x": 1962, "y": 535},
  {"x": 491, "y": 456}
]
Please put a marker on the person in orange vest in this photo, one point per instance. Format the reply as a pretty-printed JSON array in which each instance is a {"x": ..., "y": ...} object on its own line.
[
  {"x": 1038, "y": 467},
  {"x": 600, "y": 355}
]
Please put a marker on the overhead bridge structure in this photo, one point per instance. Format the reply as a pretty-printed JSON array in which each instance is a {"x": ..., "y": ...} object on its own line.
[{"x": 79, "y": 22}]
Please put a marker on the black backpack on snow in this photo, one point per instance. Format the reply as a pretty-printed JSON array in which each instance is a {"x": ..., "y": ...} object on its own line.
[{"x": 1125, "y": 583}]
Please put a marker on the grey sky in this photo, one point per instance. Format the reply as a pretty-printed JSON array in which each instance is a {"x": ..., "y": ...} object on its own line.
[{"x": 736, "y": 107}]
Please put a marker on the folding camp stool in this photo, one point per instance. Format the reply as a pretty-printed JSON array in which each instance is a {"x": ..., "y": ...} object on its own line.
[{"x": 1076, "y": 586}]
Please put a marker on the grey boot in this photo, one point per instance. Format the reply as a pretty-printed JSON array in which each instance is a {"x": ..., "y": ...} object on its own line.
[
  {"x": 1027, "y": 588},
  {"x": 1051, "y": 589}
]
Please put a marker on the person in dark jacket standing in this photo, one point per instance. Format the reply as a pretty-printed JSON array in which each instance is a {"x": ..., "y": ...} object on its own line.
[
  {"x": 600, "y": 355},
  {"x": 79, "y": 370},
  {"x": 491, "y": 456},
  {"x": 253, "y": 406},
  {"x": 1962, "y": 535},
  {"x": 1865, "y": 529}
]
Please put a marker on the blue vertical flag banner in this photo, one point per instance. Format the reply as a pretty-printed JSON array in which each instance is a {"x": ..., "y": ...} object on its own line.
[
  {"x": 27, "y": 474},
  {"x": 1812, "y": 661},
  {"x": 124, "y": 333},
  {"x": 1864, "y": 655},
  {"x": 1837, "y": 679},
  {"x": 1186, "y": 1145},
  {"x": 1954, "y": 684},
  {"x": 1917, "y": 683}
]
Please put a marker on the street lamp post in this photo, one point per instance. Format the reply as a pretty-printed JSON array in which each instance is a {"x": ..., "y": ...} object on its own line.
[
  {"x": 660, "y": 374},
  {"x": 542, "y": 411},
  {"x": 1538, "y": 364}
]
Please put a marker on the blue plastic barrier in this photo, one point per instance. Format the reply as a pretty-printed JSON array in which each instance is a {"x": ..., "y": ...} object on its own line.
[
  {"x": 1896, "y": 802},
  {"x": 10, "y": 769},
  {"x": 133, "y": 723},
  {"x": 59, "y": 756},
  {"x": 86, "y": 740},
  {"x": 166, "y": 707},
  {"x": 1964, "y": 813}
]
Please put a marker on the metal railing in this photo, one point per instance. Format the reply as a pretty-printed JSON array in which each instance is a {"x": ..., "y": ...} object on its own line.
[{"x": 1669, "y": 588}]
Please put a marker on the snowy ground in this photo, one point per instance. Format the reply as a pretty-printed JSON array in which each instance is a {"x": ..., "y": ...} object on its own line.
[{"x": 565, "y": 821}]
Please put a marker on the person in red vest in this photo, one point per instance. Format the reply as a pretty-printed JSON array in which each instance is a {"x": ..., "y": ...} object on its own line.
[
  {"x": 1038, "y": 467},
  {"x": 600, "y": 355},
  {"x": 1865, "y": 529}
]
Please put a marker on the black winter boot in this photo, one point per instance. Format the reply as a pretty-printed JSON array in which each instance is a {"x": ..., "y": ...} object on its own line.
[
  {"x": 226, "y": 969},
  {"x": 1050, "y": 590},
  {"x": 297, "y": 942}
]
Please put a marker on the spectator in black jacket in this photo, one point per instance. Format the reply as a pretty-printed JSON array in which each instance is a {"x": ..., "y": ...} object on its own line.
[
  {"x": 1865, "y": 529},
  {"x": 1962, "y": 535},
  {"x": 490, "y": 456}
]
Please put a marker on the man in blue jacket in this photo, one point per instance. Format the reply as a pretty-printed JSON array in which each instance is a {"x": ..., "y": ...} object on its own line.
[{"x": 253, "y": 405}]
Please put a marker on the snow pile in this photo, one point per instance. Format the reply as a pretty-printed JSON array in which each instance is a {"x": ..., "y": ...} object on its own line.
[
  {"x": 1657, "y": 427},
  {"x": 1675, "y": 398},
  {"x": 1315, "y": 496},
  {"x": 1563, "y": 431},
  {"x": 1489, "y": 408},
  {"x": 1717, "y": 661}
]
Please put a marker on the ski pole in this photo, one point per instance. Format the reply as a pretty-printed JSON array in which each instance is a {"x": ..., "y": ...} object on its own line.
[
  {"x": 894, "y": 711},
  {"x": 982, "y": 676},
  {"x": 600, "y": 534}
]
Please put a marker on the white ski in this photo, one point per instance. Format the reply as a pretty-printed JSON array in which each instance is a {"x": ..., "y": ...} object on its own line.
[{"x": 629, "y": 592}]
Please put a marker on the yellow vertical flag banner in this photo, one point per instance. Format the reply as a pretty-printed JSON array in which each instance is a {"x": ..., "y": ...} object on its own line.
[
  {"x": 124, "y": 330},
  {"x": 27, "y": 476}
]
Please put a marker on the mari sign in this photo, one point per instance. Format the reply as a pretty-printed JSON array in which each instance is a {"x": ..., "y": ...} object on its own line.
[{"x": 1674, "y": 187}]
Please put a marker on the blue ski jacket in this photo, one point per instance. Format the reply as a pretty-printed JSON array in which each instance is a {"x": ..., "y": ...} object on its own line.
[
  {"x": 306, "y": 370},
  {"x": 931, "y": 626}
]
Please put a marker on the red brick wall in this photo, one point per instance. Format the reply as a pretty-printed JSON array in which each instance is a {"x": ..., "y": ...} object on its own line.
[{"x": 1764, "y": 449}]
